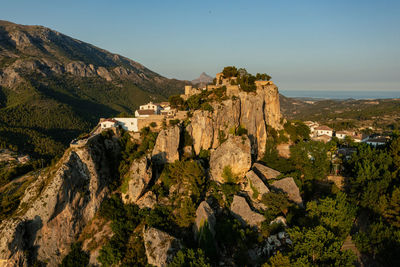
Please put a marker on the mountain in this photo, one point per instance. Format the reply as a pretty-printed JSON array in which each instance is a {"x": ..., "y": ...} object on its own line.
[
  {"x": 203, "y": 79},
  {"x": 54, "y": 87},
  {"x": 172, "y": 175}
]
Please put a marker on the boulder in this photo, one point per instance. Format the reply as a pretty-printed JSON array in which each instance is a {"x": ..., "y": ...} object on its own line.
[
  {"x": 235, "y": 152},
  {"x": 255, "y": 186},
  {"x": 136, "y": 180},
  {"x": 288, "y": 186},
  {"x": 148, "y": 200},
  {"x": 166, "y": 147},
  {"x": 160, "y": 246},
  {"x": 204, "y": 214},
  {"x": 279, "y": 219},
  {"x": 264, "y": 172},
  {"x": 242, "y": 211}
]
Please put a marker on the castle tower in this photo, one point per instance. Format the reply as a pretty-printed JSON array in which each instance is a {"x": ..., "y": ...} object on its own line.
[{"x": 188, "y": 89}]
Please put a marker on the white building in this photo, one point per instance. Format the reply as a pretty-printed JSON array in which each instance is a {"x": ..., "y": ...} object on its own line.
[
  {"x": 376, "y": 141},
  {"x": 343, "y": 134},
  {"x": 324, "y": 130},
  {"x": 107, "y": 123},
  {"x": 151, "y": 106},
  {"x": 128, "y": 124}
]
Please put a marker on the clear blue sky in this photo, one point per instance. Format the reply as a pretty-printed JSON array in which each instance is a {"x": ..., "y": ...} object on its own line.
[{"x": 303, "y": 45}]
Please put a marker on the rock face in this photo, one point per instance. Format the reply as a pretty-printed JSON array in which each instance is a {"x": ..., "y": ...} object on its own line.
[
  {"x": 137, "y": 179},
  {"x": 58, "y": 204},
  {"x": 167, "y": 145},
  {"x": 264, "y": 172},
  {"x": 242, "y": 211},
  {"x": 148, "y": 200},
  {"x": 253, "y": 111},
  {"x": 234, "y": 152},
  {"x": 160, "y": 246},
  {"x": 207, "y": 127},
  {"x": 255, "y": 186},
  {"x": 204, "y": 214},
  {"x": 288, "y": 186}
]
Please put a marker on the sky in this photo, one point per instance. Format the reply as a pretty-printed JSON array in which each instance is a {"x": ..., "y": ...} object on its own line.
[{"x": 304, "y": 45}]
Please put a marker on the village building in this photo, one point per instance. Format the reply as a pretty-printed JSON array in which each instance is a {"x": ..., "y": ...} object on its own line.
[
  {"x": 376, "y": 141},
  {"x": 107, "y": 123},
  {"x": 312, "y": 125},
  {"x": 151, "y": 106},
  {"x": 324, "y": 130},
  {"x": 128, "y": 124},
  {"x": 342, "y": 134}
]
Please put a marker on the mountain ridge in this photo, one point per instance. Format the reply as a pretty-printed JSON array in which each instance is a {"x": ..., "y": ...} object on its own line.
[{"x": 54, "y": 87}]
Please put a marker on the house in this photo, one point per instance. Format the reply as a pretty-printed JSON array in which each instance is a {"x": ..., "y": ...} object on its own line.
[
  {"x": 342, "y": 134},
  {"x": 107, "y": 123},
  {"x": 312, "y": 125},
  {"x": 376, "y": 141},
  {"x": 128, "y": 124},
  {"x": 151, "y": 106},
  {"x": 324, "y": 130}
]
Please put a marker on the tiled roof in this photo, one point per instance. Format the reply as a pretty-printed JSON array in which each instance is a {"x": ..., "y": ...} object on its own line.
[{"x": 324, "y": 128}]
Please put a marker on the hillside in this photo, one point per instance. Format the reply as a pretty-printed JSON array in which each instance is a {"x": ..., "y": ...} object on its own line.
[
  {"x": 381, "y": 114},
  {"x": 54, "y": 87}
]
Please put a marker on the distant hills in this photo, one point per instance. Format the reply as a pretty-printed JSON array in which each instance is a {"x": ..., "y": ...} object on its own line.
[
  {"x": 203, "y": 79},
  {"x": 54, "y": 87}
]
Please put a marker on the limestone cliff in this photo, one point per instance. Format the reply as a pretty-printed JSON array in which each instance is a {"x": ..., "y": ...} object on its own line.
[
  {"x": 254, "y": 111},
  {"x": 58, "y": 205}
]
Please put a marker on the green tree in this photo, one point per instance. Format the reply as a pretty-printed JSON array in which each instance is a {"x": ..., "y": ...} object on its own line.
[
  {"x": 319, "y": 247},
  {"x": 76, "y": 257},
  {"x": 278, "y": 260},
  {"x": 189, "y": 258}
]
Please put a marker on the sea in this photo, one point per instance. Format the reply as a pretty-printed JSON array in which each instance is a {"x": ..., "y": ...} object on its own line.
[{"x": 341, "y": 94}]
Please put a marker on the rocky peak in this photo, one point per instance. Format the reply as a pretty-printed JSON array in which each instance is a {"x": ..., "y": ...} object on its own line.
[{"x": 203, "y": 79}]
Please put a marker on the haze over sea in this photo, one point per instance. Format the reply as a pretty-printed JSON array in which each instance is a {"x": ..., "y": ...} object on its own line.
[{"x": 341, "y": 94}]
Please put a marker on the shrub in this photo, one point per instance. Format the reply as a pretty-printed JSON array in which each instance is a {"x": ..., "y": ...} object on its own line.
[
  {"x": 76, "y": 257},
  {"x": 228, "y": 175}
]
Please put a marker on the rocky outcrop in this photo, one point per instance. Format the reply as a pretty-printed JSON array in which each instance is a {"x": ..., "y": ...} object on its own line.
[
  {"x": 255, "y": 186},
  {"x": 136, "y": 180},
  {"x": 234, "y": 153},
  {"x": 207, "y": 128},
  {"x": 148, "y": 200},
  {"x": 264, "y": 172},
  {"x": 253, "y": 111},
  {"x": 58, "y": 204},
  {"x": 167, "y": 145},
  {"x": 205, "y": 217},
  {"x": 160, "y": 246},
  {"x": 242, "y": 211},
  {"x": 288, "y": 186}
]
